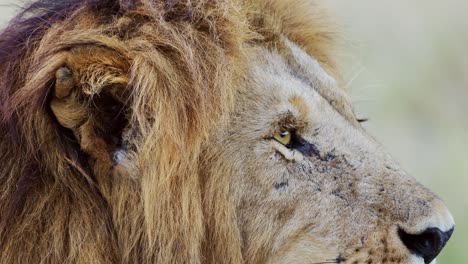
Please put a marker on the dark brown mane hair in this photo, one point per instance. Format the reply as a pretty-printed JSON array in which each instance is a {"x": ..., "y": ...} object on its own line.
[{"x": 174, "y": 65}]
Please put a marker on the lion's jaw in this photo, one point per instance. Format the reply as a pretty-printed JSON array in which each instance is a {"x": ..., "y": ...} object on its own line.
[{"x": 333, "y": 195}]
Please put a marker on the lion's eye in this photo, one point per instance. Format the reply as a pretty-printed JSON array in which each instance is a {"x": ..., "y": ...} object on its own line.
[{"x": 283, "y": 137}]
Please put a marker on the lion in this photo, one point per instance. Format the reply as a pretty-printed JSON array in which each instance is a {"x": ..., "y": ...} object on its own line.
[{"x": 194, "y": 131}]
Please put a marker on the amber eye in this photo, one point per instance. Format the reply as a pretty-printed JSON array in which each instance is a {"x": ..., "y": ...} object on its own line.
[{"x": 283, "y": 137}]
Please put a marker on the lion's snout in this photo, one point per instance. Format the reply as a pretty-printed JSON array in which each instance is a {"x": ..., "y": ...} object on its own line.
[
  {"x": 429, "y": 236},
  {"x": 427, "y": 244}
]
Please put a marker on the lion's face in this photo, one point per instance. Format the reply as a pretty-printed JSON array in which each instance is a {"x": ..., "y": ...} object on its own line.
[
  {"x": 194, "y": 132},
  {"x": 310, "y": 185}
]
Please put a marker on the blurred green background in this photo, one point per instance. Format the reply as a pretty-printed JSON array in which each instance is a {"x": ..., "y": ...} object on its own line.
[{"x": 407, "y": 67}]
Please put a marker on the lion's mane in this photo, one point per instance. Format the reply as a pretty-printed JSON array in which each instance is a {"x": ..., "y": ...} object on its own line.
[{"x": 180, "y": 60}]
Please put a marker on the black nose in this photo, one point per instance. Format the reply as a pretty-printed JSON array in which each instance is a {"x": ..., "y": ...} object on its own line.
[{"x": 428, "y": 244}]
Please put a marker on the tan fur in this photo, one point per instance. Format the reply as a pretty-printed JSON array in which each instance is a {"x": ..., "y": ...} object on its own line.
[{"x": 144, "y": 135}]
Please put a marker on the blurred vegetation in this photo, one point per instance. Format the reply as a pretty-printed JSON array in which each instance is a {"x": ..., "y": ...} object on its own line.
[{"x": 407, "y": 67}]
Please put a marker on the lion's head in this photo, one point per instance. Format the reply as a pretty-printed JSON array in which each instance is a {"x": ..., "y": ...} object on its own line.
[{"x": 150, "y": 131}]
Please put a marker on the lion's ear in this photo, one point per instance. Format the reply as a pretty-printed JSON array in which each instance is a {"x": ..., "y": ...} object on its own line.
[
  {"x": 66, "y": 104},
  {"x": 89, "y": 98}
]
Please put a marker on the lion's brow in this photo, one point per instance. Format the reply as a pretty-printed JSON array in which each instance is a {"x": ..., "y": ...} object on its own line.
[{"x": 301, "y": 106}]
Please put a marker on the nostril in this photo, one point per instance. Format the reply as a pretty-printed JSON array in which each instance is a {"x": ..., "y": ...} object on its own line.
[{"x": 427, "y": 244}]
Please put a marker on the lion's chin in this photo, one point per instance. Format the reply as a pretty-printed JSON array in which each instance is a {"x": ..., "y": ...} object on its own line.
[{"x": 419, "y": 260}]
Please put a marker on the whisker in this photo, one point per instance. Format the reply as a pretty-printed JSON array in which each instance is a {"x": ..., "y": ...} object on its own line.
[
  {"x": 337, "y": 260},
  {"x": 356, "y": 75}
]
